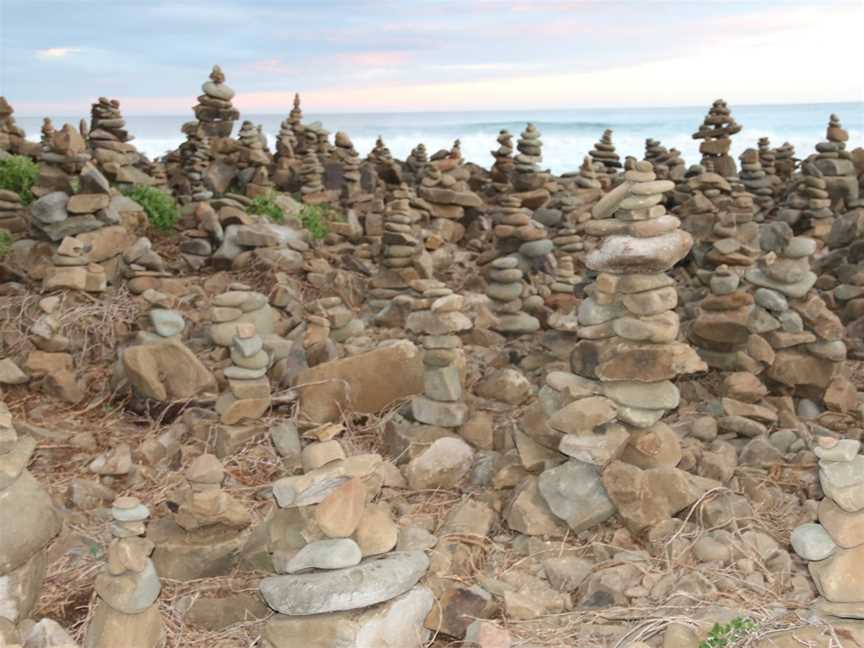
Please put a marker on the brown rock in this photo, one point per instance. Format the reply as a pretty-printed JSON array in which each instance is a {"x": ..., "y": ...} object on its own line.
[
  {"x": 168, "y": 371},
  {"x": 339, "y": 514}
]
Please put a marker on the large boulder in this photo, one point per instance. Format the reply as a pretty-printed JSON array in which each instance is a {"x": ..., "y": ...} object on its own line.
[{"x": 167, "y": 371}]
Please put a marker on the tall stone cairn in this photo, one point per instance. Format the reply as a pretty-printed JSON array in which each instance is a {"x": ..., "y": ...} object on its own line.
[
  {"x": 716, "y": 132},
  {"x": 109, "y": 142},
  {"x": 755, "y": 179},
  {"x": 295, "y": 120},
  {"x": 126, "y": 610},
  {"x": 28, "y": 521},
  {"x": 785, "y": 161},
  {"x": 835, "y": 163},
  {"x": 834, "y": 547},
  {"x": 11, "y": 136},
  {"x": 527, "y": 172},
  {"x": 502, "y": 170},
  {"x": 604, "y": 153},
  {"x": 628, "y": 322},
  {"x": 214, "y": 111}
]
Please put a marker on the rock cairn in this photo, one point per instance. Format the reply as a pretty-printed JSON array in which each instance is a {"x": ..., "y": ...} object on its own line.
[
  {"x": 501, "y": 172},
  {"x": 11, "y": 136},
  {"x": 205, "y": 535},
  {"x": 126, "y": 611},
  {"x": 72, "y": 269},
  {"x": 526, "y": 172},
  {"x": 295, "y": 120},
  {"x": 248, "y": 393},
  {"x": 254, "y": 161},
  {"x": 286, "y": 142},
  {"x": 109, "y": 143},
  {"x": 437, "y": 317},
  {"x": 401, "y": 244},
  {"x": 785, "y": 161},
  {"x": 604, "y": 154},
  {"x": 12, "y": 213},
  {"x": 768, "y": 158},
  {"x": 64, "y": 154},
  {"x": 807, "y": 208},
  {"x": 215, "y": 112},
  {"x": 628, "y": 322},
  {"x": 417, "y": 160},
  {"x": 30, "y": 522},
  {"x": 516, "y": 231},
  {"x": 807, "y": 338},
  {"x": 716, "y": 132},
  {"x": 505, "y": 286},
  {"x": 833, "y": 546},
  {"x": 584, "y": 190},
  {"x": 835, "y": 164},
  {"x": 195, "y": 158},
  {"x": 346, "y": 153},
  {"x": 380, "y": 152},
  {"x": 312, "y": 173},
  {"x": 445, "y": 189},
  {"x": 756, "y": 181}
]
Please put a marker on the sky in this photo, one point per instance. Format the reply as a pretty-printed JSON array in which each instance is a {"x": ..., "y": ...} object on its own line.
[{"x": 58, "y": 56}]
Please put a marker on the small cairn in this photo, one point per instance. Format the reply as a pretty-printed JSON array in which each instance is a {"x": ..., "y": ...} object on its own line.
[
  {"x": 215, "y": 112},
  {"x": 380, "y": 153},
  {"x": 527, "y": 175},
  {"x": 12, "y": 138},
  {"x": 341, "y": 321},
  {"x": 12, "y": 213},
  {"x": 295, "y": 121},
  {"x": 401, "y": 243},
  {"x": 501, "y": 172},
  {"x": 584, "y": 190},
  {"x": 417, "y": 160},
  {"x": 29, "y": 520},
  {"x": 73, "y": 270},
  {"x": 653, "y": 150},
  {"x": 126, "y": 610},
  {"x": 312, "y": 173},
  {"x": 835, "y": 164},
  {"x": 286, "y": 143},
  {"x": 205, "y": 536},
  {"x": 807, "y": 208},
  {"x": 445, "y": 188},
  {"x": 109, "y": 143},
  {"x": 768, "y": 158},
  {"x": 437, "y": 316},
  {"x": 195, "y": 157},
  {"x": 716, "y": 132},
  {"x": 833, "y": 546},
  {"x": 563, "y": 321},
  {"x": 254, "y": 160},
  {"x": 516, "y": 231},
  {"x": 785, "y": 161},
  {"x": 604, "y": 154},
  {"x": 505, "y": 286},
  {"x": 346, "y": 154},
  {"x": 248, "y": 393},
  {"x": 64, "y": 154},
  {"x": 756, "y": 181}
]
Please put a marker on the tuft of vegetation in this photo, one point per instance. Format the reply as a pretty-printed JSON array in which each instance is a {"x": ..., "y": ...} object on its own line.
[
  {"x": 18, "y": 173},
  {"x": 315, "y": 218},
  {"x": 728, "y": 636},
  {"x": 162, "y": 212},
  {"x": 5, "y": 243},
  {"x": 265, "y": 205}
]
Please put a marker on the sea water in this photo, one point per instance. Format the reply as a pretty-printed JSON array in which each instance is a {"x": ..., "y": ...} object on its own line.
[{"x": 567, "y": 135}]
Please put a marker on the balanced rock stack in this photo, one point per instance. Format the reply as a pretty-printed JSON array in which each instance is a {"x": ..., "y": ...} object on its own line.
[
  {"x": 401, "y": 245},
  {"x": 785, "y": 161},
  {"x": 248, "y": 393},
  {"x": 504, "y": 288},
  {"x": 295, "y": 120},
  {"x": 417, "y": 160},
  {"x": 380, "y": 152},
  {"x": 437, "y": 316},
  {"x": 604, "y": 154},
  {"x": 653, "y": 150},
  {"x": 807, "y": 207},
  {"x": 239, "y": 305},
  {"x": 346, "y": 153},
  {"x": 628, "y": 322},
  {"x": 833, "y": 547},
  {"x": 109, "y": 142},
  {"x": 205, "y": 536},
  {"x": 312, "y": 173},
  {"x": 755, "y": 179},
  {"x": 563, "y": 321},
  {"x": 835, "y": 164},
  {"x": 71, "y": 268},
  {"x": 215, "y": 112},
  {"x": 716, "y": 132},
  {"x": 767, "y": 158},
  {"x": 29, "y": 523},
  {"x": 332, "y": 546},
  {"x": 516, "y": 231},
  {"x": 584, "y": 189},
  {"x": 286, "y": 144},
  {"x": 342, "y": 322},
  {"x": 126, "y": 610},
  {"x": 447, "y": 192},
  {"x": 142, "y": 267},
  {"x": 254, "y": 161},
  {"x": 527, "y": 175},
  {"x": 11, "y": 136},
  {"x": 195, "y": 157},
  {"x": 11, "y": 212},
  {"x": 502, "y": 170},
  {"x": 64, "y": 154},
  {"x": 806, "y": 336}
]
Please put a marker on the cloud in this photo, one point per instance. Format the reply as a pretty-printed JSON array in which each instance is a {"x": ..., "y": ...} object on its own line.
[{"x": 54, "y": 53}]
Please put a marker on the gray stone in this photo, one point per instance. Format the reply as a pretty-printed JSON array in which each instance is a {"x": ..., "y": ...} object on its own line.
[
  {"x": 812, "y": 542},
  {"x": 372, "y": 581},
  {"x": 336, "y": 553},
  {"x": 573, "y": 491},
  {"x": 771, "y": 300},
  {"x": 167, "y": 323},
  {"x": 130, "y": 593},
  {"x": 844, "y": 482},
  {"x": 538, "y": 248},
  {"x": 50, "y": 209},
  {"x": 843, "y": 450}
]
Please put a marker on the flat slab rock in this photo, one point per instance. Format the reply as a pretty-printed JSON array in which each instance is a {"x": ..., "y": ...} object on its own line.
[{"x": 370, "y": 582}]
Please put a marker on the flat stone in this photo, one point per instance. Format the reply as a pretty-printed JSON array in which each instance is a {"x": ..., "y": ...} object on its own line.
[
  {"x": 574, "y": 492},
  {"x": 325, "y": 554}
]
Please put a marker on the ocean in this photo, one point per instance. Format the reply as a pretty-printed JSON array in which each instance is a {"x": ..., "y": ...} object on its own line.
[{"x": 567, "y": 135}]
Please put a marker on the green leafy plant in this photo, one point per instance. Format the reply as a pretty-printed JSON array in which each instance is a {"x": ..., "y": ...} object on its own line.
[
  {"x": 315, "y": 218},
  {"x": 5, "y": 243},
  {"x": 162, "y": 212},
  {"x": 18, "y": 174},
  {"x": 726, "y": 636},
  {"x": 265, "y": 205}
]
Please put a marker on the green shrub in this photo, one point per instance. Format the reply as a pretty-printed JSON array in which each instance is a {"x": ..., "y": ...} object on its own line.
[
  {"x": 5, "y": 243},
  {"x": 315, "y": 218},
  {"x": 728, "y": 636},
  {"x": 265, "y": 205},
  {"x": 18, "y": 174},
  {"x": 162, "y": 212}
]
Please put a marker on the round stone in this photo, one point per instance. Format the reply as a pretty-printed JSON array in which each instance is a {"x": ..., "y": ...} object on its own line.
[{"x": 812, "y": 542}]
